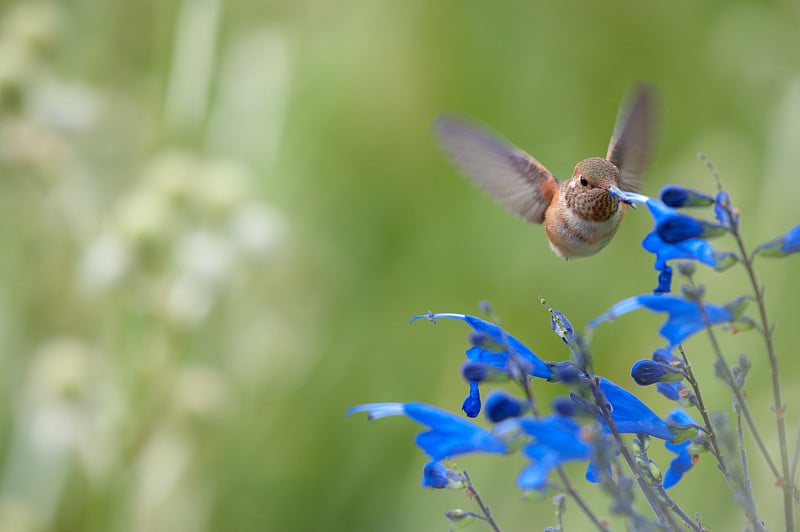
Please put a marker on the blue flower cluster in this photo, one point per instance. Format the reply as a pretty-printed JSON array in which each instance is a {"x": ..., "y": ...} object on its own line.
[
  {"x": 586, "y": 424},
  {"x": 549, "y": 441}
]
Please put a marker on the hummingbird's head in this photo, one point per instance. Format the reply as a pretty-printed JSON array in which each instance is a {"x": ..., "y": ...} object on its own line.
[
  {"x": 591, "y": 193},
  {"x": 593, "y": 173}
]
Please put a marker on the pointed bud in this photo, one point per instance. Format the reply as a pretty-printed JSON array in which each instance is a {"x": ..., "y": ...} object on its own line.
[
  {"x": 724, "y": 260},
  {"x": 743, "y": 324},
  {"x": 647, "y": 372},
  {"x": 437, "y": 476},
  {"x": 682, "y": 431},
  {"x": 565, "y": 372},
  {"x": 561, "y": 326},
  {"x": 501, "y": 405},
  {"x": 781, "y": 246},
  {"x": 655, "y": 472},
  {"x": 737, "y": 306},
  {"x": 460, "y": 518},
  {"x": 687, "y": 269},
  {"x": 478, "y": 372},
  {"x": 678, "y": 227},
  {"x": 723, "y": 210},
  {"x": 676, "y": 197}
]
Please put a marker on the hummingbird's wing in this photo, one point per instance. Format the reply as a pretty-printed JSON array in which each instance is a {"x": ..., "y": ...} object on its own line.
[
  {"x": 630, "y": 146},
  {"x": 511, "y": 176}
]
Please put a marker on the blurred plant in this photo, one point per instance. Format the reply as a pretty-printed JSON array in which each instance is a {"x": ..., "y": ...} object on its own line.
[
  {"x": 136, "y": 279},
  {"x": 588, "y": 424}
]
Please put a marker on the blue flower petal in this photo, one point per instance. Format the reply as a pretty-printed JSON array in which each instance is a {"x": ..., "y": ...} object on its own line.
[
  {"x": 677, "y": 196},
  {"x": 501, "y": 338},
  {"x": 501, "y": 405},
  {"x": 556, "y": 440},
  {"x": 791, "y": 243},
  {"x": 684, "y": 317},
  {"x": 684, "y": 459},
  {"x": 630, "y": 415},
  {"x": 664, "y": 281},
  {"x": 437, "y": 476},
  {"x": 647, "y": 372},
  {"x": 472, "y": 403},
  {"x": 782, "y": 245},
  {"x": 448, "y": 435},
  {"x": 492, "y": 346},
  {"x": 670, "y": 240},
  {"x": 721, "y": 206},
  {"x": 670, "y": 390}
]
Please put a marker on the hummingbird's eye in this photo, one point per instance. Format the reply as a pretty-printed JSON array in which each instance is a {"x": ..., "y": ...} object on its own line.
[{"x": 584, "y": 182}]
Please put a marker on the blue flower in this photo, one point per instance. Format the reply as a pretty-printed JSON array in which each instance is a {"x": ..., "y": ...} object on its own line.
[
  {"x": 664, "y": 281},
  {"x": 437, "y": 476},
  {"x": 678, "y": 392},
  {"x": 472, "y": 402},
  {"x": 556, "y": 440},
  {"x": 491, "y": 345},
  {"x": 684, "y": 459},
  {"x": 722, "y": 205},
  {"x": 678, "y": 227},
  {"x": 662, "y": 367},
  {"x": 676, "y": 196},
  {"x": 684, "y": 317},
  {"x": 675, "y": 227},
  {"x": 449, "y": 435},
  {"x": 781, "y": 246},
  {"x": 647, "y": 372},
  {"x": 478, "y": 372},
  {"x": 501, "y": 405},
  {"x": 630, "y": 415},
  {"x": 562, "y": 327}
]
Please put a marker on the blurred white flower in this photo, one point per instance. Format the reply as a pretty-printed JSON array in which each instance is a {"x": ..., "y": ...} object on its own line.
[
  {"x": 105, "y": 261},
  {"x": 172, "y": 173},
  {"x": 258, "y": 229},
  {"x": 59, "y": 369},
  {"x": 67, "y": 106},
  {"x": 221, "y": 185},
  {"x": 205, "y": 256},
  {"x": 188, "y": 301},
  {"x": 159, "y": 470},
  {"x": 143, "y": 215},
  {"x": 199, "y": 390}
]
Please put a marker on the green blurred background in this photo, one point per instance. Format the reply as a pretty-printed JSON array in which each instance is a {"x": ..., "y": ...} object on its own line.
[{"x": 218, "y": 217}]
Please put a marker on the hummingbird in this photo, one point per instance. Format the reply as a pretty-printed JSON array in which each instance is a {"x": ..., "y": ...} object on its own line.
[{"x": 580, "y": 214}]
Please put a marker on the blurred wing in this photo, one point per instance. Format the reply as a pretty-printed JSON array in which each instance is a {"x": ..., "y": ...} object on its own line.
[
  {"x": 511, "y": 176},
  {"x": 632, "y": 142}
]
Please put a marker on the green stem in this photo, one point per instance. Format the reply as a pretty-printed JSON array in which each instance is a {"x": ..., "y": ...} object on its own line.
[
  {"x": 777, "y": 394},
  {"x": 662, "y": 514},
  {"x": 524, "y": 382},
  {"x": 701, "y": 406},
  {"x": 472, "y": 493},
  {"x": 767, "y": 332}
]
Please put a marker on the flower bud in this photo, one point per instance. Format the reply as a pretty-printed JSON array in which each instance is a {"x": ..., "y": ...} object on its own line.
[
  {"x": 478, "y": 372},
  {"x": 678, "y": 227},
  {"x": 676, "y": 196},
  {"x": 501, "y": 405},
  {"x": 437, "y": 476},
  {"x": 647, "y": 372}
]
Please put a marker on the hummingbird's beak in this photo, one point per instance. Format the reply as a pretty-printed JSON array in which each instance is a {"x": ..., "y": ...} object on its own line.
[
  {"x": 617, "y": 194},
  {"x": 629, "y": 198}
]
